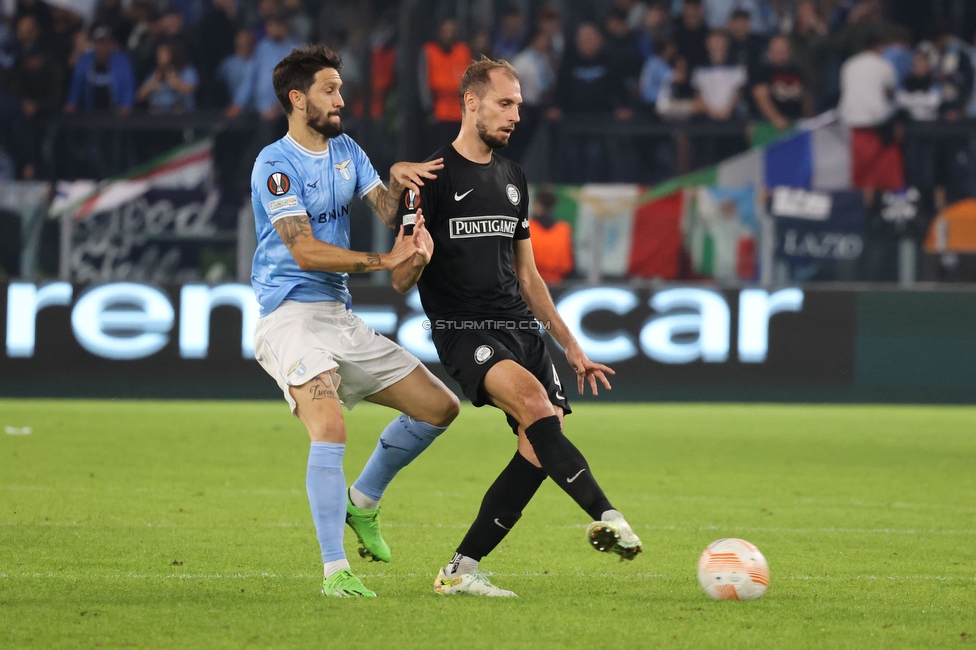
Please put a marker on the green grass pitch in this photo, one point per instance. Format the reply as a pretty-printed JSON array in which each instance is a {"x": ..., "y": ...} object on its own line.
[{"x": 186, "y": 525}]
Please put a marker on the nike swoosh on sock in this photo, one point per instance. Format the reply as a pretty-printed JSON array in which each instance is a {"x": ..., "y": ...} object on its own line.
[{"x": 570, "y": 480}]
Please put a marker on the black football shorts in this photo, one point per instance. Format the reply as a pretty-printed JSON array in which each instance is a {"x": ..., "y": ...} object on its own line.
[{"x": 468, "y": 355}]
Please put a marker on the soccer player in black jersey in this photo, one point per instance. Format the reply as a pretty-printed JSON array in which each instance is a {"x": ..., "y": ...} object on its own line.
[{"x": 486, "y": 301}]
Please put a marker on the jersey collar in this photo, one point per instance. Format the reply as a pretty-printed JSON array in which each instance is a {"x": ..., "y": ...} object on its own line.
[{"x": 307, "y": 152}]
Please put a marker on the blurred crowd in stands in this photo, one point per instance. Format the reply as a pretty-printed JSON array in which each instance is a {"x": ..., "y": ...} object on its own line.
[{"x": 760, "y": 63}]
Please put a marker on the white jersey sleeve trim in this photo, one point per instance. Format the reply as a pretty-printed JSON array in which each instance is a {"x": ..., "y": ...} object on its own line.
[
  {"x": 276, "y": 217},
  {"x": 369, "y": 188}
]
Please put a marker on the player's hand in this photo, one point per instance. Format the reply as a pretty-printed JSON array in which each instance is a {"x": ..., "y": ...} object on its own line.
[
  {"x": 423, "y": 240},
  {"x": 411, "y": 175},
  {"x": 404, "y": 248},
  {"x": 587, "y": 370}
]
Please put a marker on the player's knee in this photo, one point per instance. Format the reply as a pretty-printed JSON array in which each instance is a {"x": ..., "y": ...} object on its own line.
[
  {"x": 535, "y": 407},
  {"x": 448, "y": 409},
  {"x": 327, "y": 431},
  {"x": 528, "y": 453}
]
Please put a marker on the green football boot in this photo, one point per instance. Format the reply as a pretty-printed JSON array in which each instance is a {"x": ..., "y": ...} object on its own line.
[
  {"x": 366, "y": 524},
  {"x": 345, "y": 584}
]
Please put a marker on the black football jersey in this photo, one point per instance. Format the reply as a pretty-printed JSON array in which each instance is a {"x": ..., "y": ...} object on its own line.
[{"x": 473, "y": 212}]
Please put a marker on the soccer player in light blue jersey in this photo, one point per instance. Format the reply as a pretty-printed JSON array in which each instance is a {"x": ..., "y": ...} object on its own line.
[{"x": 319, "y": 352}]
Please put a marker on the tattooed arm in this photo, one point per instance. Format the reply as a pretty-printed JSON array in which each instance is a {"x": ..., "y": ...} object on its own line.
[
  {"x": 312, "y": 254},
  {"x": 403, "y": 176}
]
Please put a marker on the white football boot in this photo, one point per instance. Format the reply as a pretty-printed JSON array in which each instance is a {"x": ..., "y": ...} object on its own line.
[
  {"x": 614, "y": 535},
  {"x": 475, "y": 584}
]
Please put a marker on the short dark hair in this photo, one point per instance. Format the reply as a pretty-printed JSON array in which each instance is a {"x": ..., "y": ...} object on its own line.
[
  {"x": 297, "y": 70},
  {"x": 477, "y": 78},
  {"x": 740, "y": 13}
]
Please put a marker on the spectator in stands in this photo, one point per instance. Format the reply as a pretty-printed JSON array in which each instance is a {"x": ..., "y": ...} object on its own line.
[
  {"x": 778, "y": 88},
  {"x": 634, "y": 12},
  {"x": 235, "y": 69},
  {"x": 480, "y": 44},
  {"x": 65, "y": 27},
  {"x": 899, "y": 52},
  {"x": 677, "y": 100},
  {"x": 656, "y": 25},
  {"x": 37, "y": 77},
  {"x": 36, "y": 8},
  {"x": 38, "y": 81},
  {"x": 809, "y": 43},
  {"x": 719, "y": 87},
  {"x": 864, "y": 22},
  {"x": 216, "y": 43},
  {"x": 510, "y": 36},
  {"x": 258, "y": 89},
  {"x": 300, "y": 23},
  {"x": 953, "y": 73},
  {"x": 657, "y": 72},
  {"x": 172, "y": 86},
  {"x": 353, "y": 76},
  {"x": 919, "y": 98},
  {"x": 550, "y": 22},
  {"x": 144, "y": 35},
  {"x": 102, "y": 79},
  {"x": 720, "y": 82},
  {"x": 382, "y": 70},
  {"x": 537, "y": 81},
  {"x": 623, "y": 50},
  {"x": 745, "y": 48},
  {"x": 111, "y": 14},
  {"x": 868, "y": 84},
  {"x": 655, "y": 157},
  {"x": 588, "y": 86},
  {"x": 718, "y": 12},
  {"x": 442, "y": 62},
  {"x": 552, "y": 240},
  {"x": 690, "y": 33}
]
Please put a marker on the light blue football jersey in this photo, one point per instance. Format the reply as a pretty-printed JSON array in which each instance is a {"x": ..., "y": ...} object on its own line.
[{"x": 288, "y": 180}]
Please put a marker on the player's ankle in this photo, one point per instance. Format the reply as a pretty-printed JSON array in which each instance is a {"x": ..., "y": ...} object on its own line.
[
  {"x": 460, "y": 565},
  {"x": 362, "y": 501}
]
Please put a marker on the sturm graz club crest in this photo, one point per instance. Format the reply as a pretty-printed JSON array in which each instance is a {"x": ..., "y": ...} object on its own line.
[
  {"x": 278, "y": 184},
  {"x": 483, "y": 353},
  {"x": 513, "y": 194}
]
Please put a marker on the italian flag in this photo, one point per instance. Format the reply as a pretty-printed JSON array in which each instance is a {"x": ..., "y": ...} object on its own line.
[
  {"x": 639, "y": 232},
  {"x": 185, "y": 167}
]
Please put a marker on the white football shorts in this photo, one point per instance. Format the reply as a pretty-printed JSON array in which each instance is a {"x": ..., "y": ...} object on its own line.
[{"x": 300, "y": 340}]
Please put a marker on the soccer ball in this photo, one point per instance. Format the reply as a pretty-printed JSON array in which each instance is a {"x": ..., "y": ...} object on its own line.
[{"x": 733, "y": 569}]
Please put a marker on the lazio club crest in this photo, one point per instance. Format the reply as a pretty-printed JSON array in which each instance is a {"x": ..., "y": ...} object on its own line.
[{"x": 343, "y": 169}]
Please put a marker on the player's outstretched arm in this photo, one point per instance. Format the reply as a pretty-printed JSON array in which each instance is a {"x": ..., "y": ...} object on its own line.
[
  {"x": 536, "y": 295},
  {"x": 408, "y": 273},
  {"x": 312, "y": 254},
  {"x": 384, "y": 201}
]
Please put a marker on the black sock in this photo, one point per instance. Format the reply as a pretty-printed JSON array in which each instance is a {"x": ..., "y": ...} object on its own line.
[
  {"x": 566, "y": 465},
  {"x": 502, "y": 507}
]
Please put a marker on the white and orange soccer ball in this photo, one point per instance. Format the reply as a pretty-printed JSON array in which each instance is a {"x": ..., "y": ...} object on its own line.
[{"x": 733, "y": 569}]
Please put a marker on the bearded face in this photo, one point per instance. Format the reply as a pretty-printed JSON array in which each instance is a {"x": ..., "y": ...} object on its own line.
[
  {"x": 318, "y": 119},
  {"x": 496, "y": 139}
]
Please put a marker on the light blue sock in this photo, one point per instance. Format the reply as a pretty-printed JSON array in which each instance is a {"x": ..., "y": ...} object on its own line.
[
  {"x": 326, "y": 488},
  {"x": 401, "y": 441}
]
